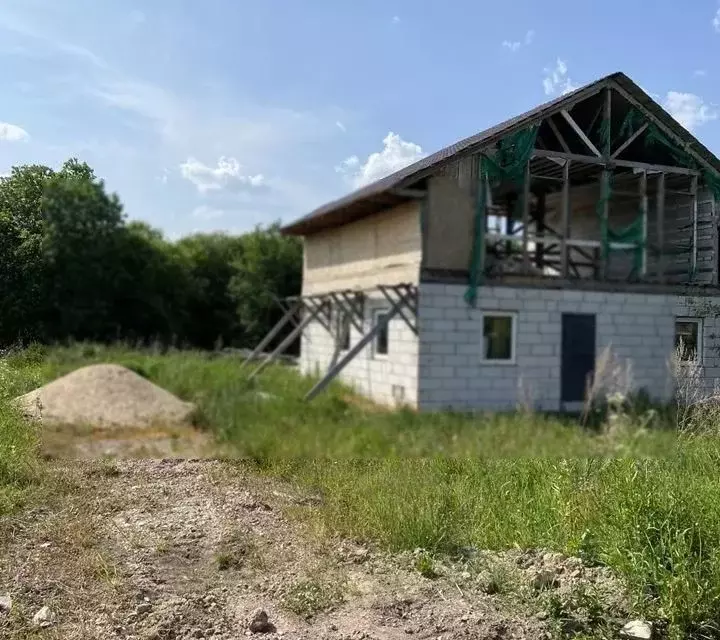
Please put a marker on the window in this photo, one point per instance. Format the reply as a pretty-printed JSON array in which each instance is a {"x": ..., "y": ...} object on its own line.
[
  {"x": 382, "y": 337},
  {"x": 499, "y": 338},
  {"x": 342, "y": 329},
  {"x": 688, "y": 339}
]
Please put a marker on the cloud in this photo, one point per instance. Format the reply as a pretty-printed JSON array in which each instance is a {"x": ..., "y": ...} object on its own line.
[
  {"x": 699, "y": 73},
  {"x": 395, "y": 155},
  {"x": 340, "y": 126},
  {"x": 11, "y": 24},
  {"x": 557, "y": 81},
  {"x": 227, "y": 173},
  {"x": 716, "y": 21},
  {"x": 689, "y": 110},
  {"x": 514, "y": 45},
  {"x": 207, "y": 213},
  {"x": 396, "y": 19},
  {"x": 137, "y": 16},
  {"x": 12, "y": 133}
]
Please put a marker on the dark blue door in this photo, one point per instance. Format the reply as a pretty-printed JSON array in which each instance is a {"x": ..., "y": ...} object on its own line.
[{"x": 578, "y": 355}]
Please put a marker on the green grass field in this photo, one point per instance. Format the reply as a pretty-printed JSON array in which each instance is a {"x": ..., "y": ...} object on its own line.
[{"x": 643, "y": 500}]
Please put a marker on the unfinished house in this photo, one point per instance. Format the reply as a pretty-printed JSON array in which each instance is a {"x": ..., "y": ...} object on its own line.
[{"x": 522, "y": 264}]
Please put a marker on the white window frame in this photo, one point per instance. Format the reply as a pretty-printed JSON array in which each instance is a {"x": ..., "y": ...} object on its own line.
[
  {"x": 699, "y": 323},
  {"x": 373, "y": 316},
  {"x": 513, "y": 340}
]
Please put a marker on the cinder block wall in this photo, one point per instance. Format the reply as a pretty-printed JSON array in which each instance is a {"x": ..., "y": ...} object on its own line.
[
  {"x": 391, "y": 379},
  {"x": 637, "y": 327}
]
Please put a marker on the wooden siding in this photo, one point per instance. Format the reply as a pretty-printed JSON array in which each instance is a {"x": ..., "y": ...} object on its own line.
[{"x": 382, "y": 249}]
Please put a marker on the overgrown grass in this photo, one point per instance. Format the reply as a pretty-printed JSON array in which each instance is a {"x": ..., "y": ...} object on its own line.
[
  {"x": 646, "y": 502},
  {"x": 18, "y": 450}
]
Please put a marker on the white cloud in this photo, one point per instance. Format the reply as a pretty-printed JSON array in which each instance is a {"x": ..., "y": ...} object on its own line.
[
  {"x": 396, "y": 19},
  {"x": 12, "y": 133},
  {"x": 716, "y": 21},
  {"x": 226, "y": 173},
  {"x": 9, "y": 22},
  {"x": 340, "y": 126},
  {"x": 395, "y": 155},
  {"x": 557, "y": 81},
  {"x": 699, "y": 73},
  {"x": 689, "y": 110},
  {"x": 207, "y": 213},
  {"x": 514, "y": 45}
]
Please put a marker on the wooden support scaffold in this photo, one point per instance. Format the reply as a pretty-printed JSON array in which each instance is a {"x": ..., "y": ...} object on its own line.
[{"x": 402, "y": 300}]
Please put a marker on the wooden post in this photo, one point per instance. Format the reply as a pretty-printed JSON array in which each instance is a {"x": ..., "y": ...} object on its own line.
[
  {"x": 339, "y": 366},
  {"x": 287, "y": 317},
  {"x": 644, "y": 213},
  {"x": 482, "y": 193},
  {"x": 565, "y": 226},
  {"x": 604, "y": 193},
  {"x": 660, "y": 226},
  {"x": 510, "y": 202},
  {"x": 526, "y": 219},
  {"x": 694, "y": 192},
  {"x": 715, "y": 230},
  {"x": 283, "y": 346},
  {"x": 540, "y": 222},
  {"x": 607, "y": 116}
]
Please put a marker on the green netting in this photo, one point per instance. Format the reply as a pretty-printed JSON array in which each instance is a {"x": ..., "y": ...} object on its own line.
[
  {"x": 508, "y": 164},
  {"x": 633, "y": 234}
]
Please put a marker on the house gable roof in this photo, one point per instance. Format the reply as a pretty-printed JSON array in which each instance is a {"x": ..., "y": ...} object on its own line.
[{"x": 379, "y": 195}]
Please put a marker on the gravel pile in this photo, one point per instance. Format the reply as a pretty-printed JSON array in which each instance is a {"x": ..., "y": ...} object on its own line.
[{"x": 105, "y": 395}]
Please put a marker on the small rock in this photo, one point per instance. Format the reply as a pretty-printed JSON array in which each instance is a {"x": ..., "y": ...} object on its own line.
[
  {"x": 544, "y": 580},
  {"x": 5, "y": 604},
  {"x": 143, "y": 608},
  {"x": 44, "y": 618},
  {"x": 637, "y": 630},
  {"x": 259, "y": 622},
  {"x": 360, "y": 555}
]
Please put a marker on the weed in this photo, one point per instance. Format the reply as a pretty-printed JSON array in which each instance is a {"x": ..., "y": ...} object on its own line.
[
  {"x": 307, "y": 598},
  {"x": 498, "y": 578},
  {"x": 236, "y": 550},
  {"x": 425, "y": 566}
]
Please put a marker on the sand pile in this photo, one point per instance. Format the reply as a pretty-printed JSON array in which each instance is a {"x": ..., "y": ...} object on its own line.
[{"x": 105, "y": 395}]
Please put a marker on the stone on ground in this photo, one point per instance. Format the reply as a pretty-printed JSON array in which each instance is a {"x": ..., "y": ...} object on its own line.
[
  {"x": 44, "y": 618},
  {"x": 105, "y": 395},
  {"x": 637, "y": 630},
  {"x": 5, "y": 604},
  {"x": 259, "y": 622}
]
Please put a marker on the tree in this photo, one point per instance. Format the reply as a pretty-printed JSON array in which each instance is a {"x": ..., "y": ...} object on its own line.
[
  {"x": 270, "y": 268},
  {"x": 81, "y": 248},
  {"x": 21, "y": 264},
  {"x": 211, "y": 308}
]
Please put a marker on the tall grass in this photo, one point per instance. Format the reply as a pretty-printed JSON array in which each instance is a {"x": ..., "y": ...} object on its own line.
[
  {"x": 645, "y": 501},
  {"x": 18, "y": 446}
]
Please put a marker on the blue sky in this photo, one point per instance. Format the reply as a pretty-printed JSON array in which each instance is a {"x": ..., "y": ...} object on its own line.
[{"x": 224, "y": 114}]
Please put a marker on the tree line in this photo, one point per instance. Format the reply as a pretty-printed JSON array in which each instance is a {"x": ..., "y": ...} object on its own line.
[{"x": 72, "y": 267}]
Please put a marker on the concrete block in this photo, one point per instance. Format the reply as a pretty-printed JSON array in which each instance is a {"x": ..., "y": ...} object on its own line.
[{"x": 440, "y": 348}]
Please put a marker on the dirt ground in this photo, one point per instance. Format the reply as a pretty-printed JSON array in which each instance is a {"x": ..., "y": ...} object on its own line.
[{"x": 169, "y": 549}]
